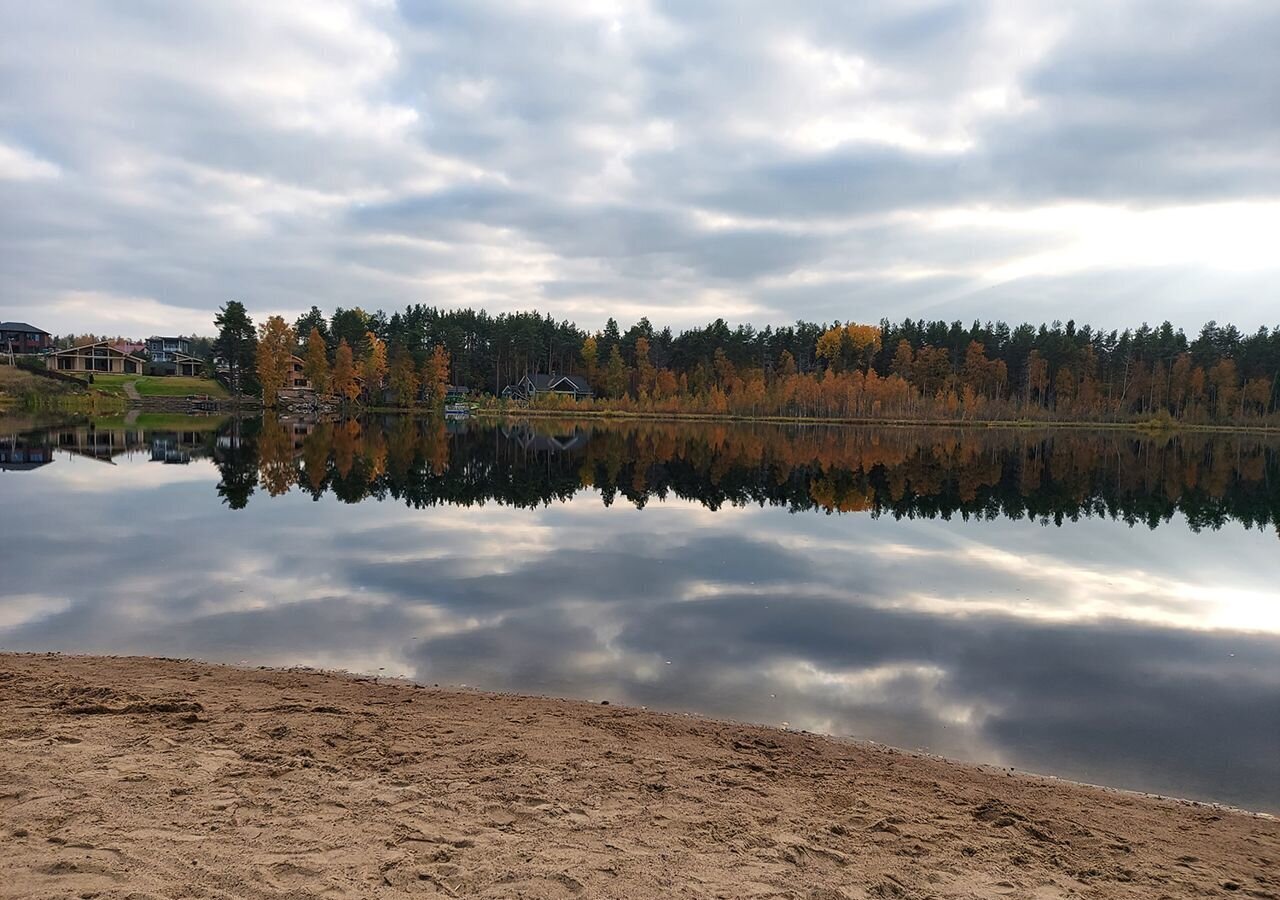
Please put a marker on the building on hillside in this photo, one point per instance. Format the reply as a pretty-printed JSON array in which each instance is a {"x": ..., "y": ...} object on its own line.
[
  {"x": 297, "y": 378},
  {"x": 98, "y": 357},
  {"x": 530, "y": 386},
  {"x": 167, "y": 349},
  {"x": 19, "y": 337},
  {"x": 172, "y": 356}
]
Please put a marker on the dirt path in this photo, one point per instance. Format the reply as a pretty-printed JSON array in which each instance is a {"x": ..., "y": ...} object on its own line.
[
  {"x": 131, "y": 390},
  {"x": 146, "y": 779}
]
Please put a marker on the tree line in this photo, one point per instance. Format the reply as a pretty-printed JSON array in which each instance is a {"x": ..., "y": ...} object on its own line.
[{"x": 845, "y": 370}]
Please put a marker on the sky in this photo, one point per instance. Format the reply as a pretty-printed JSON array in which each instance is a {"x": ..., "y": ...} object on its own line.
[{"x": 1109, "y": 162}]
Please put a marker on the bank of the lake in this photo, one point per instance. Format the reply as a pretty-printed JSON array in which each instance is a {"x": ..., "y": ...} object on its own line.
[
  {"x": 499, "y": 412},
  {"x": 146, "y": 778}
]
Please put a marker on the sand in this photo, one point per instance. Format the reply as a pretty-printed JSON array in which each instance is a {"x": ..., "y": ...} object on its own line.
[{"x": 143, "y": 778}]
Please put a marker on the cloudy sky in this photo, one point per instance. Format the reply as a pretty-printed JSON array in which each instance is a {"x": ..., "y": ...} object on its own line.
[{"x": 1106, "y": 161}]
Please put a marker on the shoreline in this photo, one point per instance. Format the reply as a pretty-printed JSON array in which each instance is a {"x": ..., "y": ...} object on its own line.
[
  {"x": 1146, "y": 428},
  {"x": 280, "y": 782}
]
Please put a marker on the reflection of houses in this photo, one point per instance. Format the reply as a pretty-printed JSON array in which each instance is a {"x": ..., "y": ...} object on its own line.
[
  {"x": 298, "y": 432},
  {"x": 172, "y": 356},
  {"x": 530, "y": 386},
  {"x": 98, "y": 443},
  {"x": 22, "y": 453},
  {"x": 176, "y": 447},
  {"x": 530, "y": 440},
  {"x": 19, "y": 337},
  {"x": 97, "y": 357}
]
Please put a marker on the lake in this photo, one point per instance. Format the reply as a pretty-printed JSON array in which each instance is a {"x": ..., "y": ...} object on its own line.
[{"x": 1103, "y": 606}]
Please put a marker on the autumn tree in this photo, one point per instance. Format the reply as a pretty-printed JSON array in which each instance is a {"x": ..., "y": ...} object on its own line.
[
  {"x": 646, "y": 373},
  {"x": 615, "y": 377},
  {"x": 786, "y": 364},
  {"x": 590, "y": 359},
  {"x": 373, "y": 367},
  {"x": 274, "y": 357},
  {"x": 343, "y": 381},
  {"x": 404, "y": 377},
  {"x": 849, "y": 345},
  {"x": 903, "y": 360},
  {"x": 316, "y": 364},
  {"x": 435, "y": 375},
  {"x": 1225, "y": 380}
]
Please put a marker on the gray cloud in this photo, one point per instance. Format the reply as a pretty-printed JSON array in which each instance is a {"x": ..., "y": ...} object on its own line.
[{"x": 687, "y": 160}]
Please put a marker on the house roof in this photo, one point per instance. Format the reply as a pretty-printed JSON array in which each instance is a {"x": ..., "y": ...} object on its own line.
[
  {"x": 577, "y": 382},
  {"x": 114, "y": 348},
  {"x": 21, "y": 326},
  {"x": 559, "y": 382}
]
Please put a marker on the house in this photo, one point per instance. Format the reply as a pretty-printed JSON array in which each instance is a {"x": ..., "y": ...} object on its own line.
[
  {"x": 133, "y": 348},
  {"x": 172, "y": 356},
  {"x": 530, "y": 386},
  {"x": 167, "y": 349},
  {"x": 297, "y": 378},
  {"x": 96, "y": 357},
  {"x": 19, "y": 337}
]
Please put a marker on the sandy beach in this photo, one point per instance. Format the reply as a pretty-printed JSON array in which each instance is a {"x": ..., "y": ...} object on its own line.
[{"x": 144, "y": 778}]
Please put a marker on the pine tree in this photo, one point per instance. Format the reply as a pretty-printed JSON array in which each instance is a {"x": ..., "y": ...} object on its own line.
[{"x": 236, "y": 343}]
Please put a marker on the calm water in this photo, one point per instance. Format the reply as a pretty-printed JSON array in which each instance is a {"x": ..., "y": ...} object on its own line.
[{"x": 1099, "y": 606}]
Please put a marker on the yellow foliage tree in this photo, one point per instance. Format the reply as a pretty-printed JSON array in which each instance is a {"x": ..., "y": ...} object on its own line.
[
  {"x": 316, "y": 365},
  {"x": 374, "y": 365},
  {"x": 344, "y": 382},
  {"x": 590, "y": 359},
  {"x": 404, "y": 378},
  {"x": 274, "y": 357},
  {"x": 435, "y": 375}
]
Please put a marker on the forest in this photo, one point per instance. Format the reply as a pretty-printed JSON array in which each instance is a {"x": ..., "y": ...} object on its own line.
[
  {"x": 1045, "y": 476},
  {"x": 912, "y": 370}
]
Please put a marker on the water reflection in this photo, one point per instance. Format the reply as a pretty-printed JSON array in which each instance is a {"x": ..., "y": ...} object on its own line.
[{"x": 692, "y": 567}]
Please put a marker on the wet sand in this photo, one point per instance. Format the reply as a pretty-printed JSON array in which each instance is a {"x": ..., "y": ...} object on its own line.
[{"x": 143, "y": 778}]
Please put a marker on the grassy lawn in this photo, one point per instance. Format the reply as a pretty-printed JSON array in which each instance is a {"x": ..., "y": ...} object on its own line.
[{"x": 159, "y": 386}]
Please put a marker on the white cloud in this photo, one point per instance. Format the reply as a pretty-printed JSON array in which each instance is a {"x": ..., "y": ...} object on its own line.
[{"x": 17, "y": 164}]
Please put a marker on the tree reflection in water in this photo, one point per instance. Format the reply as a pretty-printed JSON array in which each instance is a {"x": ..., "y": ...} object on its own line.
[{"x": 1048, "y": 476}]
